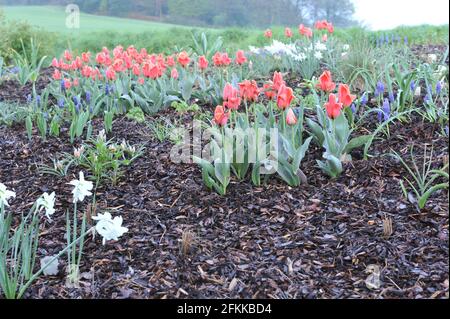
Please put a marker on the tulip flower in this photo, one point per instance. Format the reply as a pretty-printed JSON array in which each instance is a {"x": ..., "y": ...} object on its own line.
[
  {"x": 305, "y": 31},
  {"x": 109, "y": 228},
  {"x": 5, "y": 194},
  {"x": 217, "y": 59},
  {"x": 269, "y": 91},
  {"x": 231, "y": 97},
  {"x": 183, "y": 59},
  {"x": 67, "y": 84},
  {"x": 81, "y": 189},
  {"x": 55, "y": 63},
  {"x": 170, "y": 61},
  {"x": 344, "y": 95},
  {"x": 110, "y": 74},
  {"x": 174, "y": 74},
  {"x": 221, "y": 116},
  {"x": 288, "y": 32},
  {"x": 333, "y": 108},
  {"x": 68, "y": 56},
  {"x": 291, "y": 119},
  {"x": 56, "y": 75},
  {"x": 203, "y": 63},
  {"x": 240, "y": 57},
  {"x": 249, "y": 90},
  {"x": 284, "y": 97},
  {"x": 278, "y": 81},
  {"x": 325, "y": 82},
  {"x": 268, "y": 33}
]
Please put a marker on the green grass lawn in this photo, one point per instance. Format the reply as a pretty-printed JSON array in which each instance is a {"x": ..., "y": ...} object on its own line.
[{"x": 53, "y": 19}]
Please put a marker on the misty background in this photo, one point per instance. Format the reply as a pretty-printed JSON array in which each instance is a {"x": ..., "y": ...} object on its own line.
[{"x": 216, "y": 13}]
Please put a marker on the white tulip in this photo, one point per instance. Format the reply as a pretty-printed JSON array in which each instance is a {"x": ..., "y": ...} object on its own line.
[
  {"x": 108, "y": 228},
  {"x": 82, "y": 188},
  {"x": 5, "y": 195}
]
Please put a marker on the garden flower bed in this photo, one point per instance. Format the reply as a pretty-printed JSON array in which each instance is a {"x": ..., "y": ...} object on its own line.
[{"x": 336, "y": 218}]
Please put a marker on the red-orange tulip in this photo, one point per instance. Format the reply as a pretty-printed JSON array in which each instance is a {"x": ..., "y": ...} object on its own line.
[
  {"x": 249, "y": 90},
  {"x": 288, "y": 32},
  {"x": 285, "y": 97},
  {"x": 203, "y": 62},
  {"x": 268, "y": 33},
  {"x": 333, "y": 108},
  {"x": 345, "y": 97},
  {"x": 291, "y": 119},
  {"x": 326, "y": 82},
  {"x": 221, "y": 116},
  {"x": 183, "y": 59},
  {"x": 240, "y": 57}
]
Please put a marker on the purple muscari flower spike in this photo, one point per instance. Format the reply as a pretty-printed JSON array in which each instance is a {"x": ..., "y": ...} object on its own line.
[
  {"x": 438, "y": 88},
  {"x": 75, "y": 100},
  {"x": 61, "y": 103},
  {"x": 364, "y": 99},
  {"x": 88, "y": 97},
  {"x": 412, "y": 86},
  {"x": 38, "y": 100},
  {"x": 386, "y": 109},
  {"x": 387, "y": 39},
  {"x": 77, "y": 107},
  {"x": 353, "y": 108},
  {"x": 107, "y": 89},
  {"x": 406, "y": 40},
  {"x": 379, "y": 89},
  {"x": 63, "y": 87},
  {"x": 380, "y": 115},
  {"x": 427, "y": 98},
  {"x": 391, "y": 97},
  {"x": 29, "y": 98}
]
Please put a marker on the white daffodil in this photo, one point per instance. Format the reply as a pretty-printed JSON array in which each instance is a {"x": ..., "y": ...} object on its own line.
[
  {"x": 82, "y": 188},
  {"x": 320, "y": 46},
  {"x": 109, "y": 228},
  {"x": 318, "y": 55},
  {"x": 5, "y": 195},
  {"x": 346, "y": 47},
  {"x": 47, "y": 202},
  {"x": 101, "y": 136}
]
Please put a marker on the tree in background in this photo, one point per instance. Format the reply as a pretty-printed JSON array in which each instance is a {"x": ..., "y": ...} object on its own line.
[{"x": 257, "y": 13}]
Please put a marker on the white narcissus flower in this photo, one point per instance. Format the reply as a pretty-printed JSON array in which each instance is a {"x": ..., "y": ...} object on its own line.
[
  {"x": 82, "y": 188},
  {"x": 47, "y": 202},
  {"x": 108, "y": 228},
  {"x": 5, "y": 195},
  {"x": 346, "y": 47},
  {"x": 318, "y": 55}
]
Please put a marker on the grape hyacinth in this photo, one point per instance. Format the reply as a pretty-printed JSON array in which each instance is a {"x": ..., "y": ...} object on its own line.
[
  {"x": 438, "y": 88},
  {"x": 379, "y": 89},
  {"x": 61, "y": 103},
  {"x": 88, "y": 97},
  {"x": 386, "y": 109},
  {"x": 391, "y": 97},
  {"x": 412, "y": 86},
  {"x": 364, "y": 99}
]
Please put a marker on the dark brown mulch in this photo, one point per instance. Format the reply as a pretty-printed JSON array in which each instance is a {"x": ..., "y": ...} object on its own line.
[
  {"x": 12, "y": 91},
  {"x": 315, "y": 241}
]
